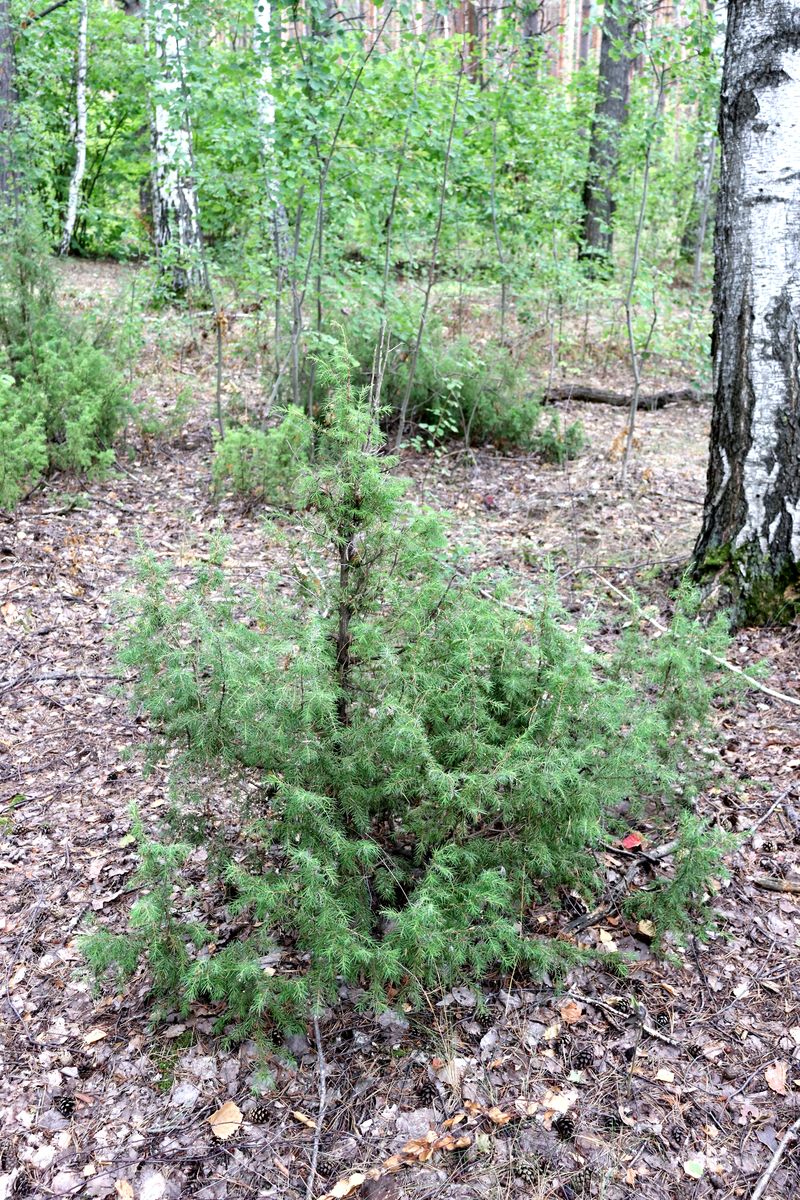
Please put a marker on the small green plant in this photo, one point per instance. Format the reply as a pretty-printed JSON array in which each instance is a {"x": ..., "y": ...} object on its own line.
[
  {"x": 404, "y": 767},
  {"x": 265, "y": 464},
  {"x": 559, "y": 445}
]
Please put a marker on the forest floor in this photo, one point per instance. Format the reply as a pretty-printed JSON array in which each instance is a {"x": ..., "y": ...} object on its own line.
[{"x": 94, "y": 1101}]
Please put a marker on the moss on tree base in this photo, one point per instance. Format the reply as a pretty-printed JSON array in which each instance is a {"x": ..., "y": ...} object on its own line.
[{"x": 758, "y": 591}]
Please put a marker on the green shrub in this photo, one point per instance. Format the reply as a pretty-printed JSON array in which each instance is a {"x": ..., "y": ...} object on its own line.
[
  {"x": 408, "y": 766},
  {"x": 681, "y": 903},
  {"x": 264, "y": 464},
  {"x": 68, "y": 395},
  {"x": 559, "y": 445},
  {"x": 459, "y": 390},
  {"x": 23, "y": 447}
]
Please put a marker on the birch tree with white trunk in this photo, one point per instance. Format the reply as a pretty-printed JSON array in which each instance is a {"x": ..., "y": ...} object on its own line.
[
  {"x": 78, "y": 170},
  {"x": 750, "y": 538},
  {"x": 279, "y": 223},
  {"x": 176, "y": 225}
]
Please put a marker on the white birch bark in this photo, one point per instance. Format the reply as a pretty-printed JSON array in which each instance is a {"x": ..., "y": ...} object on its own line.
[
  {"x": 266, "y": 116},
  {"x": 752, "y": 512},
  {"x": 80, "y": 131},
  {"x": 176, "y": 225}
]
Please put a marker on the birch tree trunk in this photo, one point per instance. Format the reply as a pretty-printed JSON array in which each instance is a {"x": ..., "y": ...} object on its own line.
[
  {"x": 751, "y": 523},
  {"x": 610, "y": 115},
  {"x": 278, "y": 219},
  {"x": 8, "y": 100},
  {"x": 176, "y": 226},
  {"x": 80, "y": 131}
]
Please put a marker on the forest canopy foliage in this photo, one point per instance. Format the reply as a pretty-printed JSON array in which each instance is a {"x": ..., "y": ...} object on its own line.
[{"x": 337, "y": 174}]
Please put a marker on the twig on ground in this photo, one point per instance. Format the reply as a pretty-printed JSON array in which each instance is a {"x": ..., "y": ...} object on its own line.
[
  {"x": 778, "y": 885},
  {"x": 323, "y": 1103},
  {"x": 763, "y": 1183}
]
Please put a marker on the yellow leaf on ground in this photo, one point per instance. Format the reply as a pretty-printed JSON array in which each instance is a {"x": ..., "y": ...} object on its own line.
[
  {"x": 123, "y": 1189},
  {"x": 665, "y": 1075},
  {"x": 225, "y": 1121},
  {"x": 94, "y": 1035},
  {"x": 345, "y": 1187}
]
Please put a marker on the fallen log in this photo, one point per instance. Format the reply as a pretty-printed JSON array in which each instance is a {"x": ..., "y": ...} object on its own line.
[{"x": 593, "y": 395}]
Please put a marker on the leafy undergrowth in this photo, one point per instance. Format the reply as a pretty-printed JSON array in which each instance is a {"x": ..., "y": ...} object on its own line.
[{"x": 678, "y": 1080}]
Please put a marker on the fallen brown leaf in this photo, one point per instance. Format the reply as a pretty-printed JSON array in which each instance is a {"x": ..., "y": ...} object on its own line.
[
  {"x": 225, "y": 1121},
  {"x": 776, "y": 1077},
  {"x": 571, "y": 1013}
]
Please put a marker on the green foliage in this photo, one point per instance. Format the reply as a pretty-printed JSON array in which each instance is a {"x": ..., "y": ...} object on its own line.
[
  {"x": 459, "y": 390},
  {"x": 681, "y": 903},
  {"x": 560, "y": 445},
  {"x": 62, "y": 400},
  {"x": 264, "y": 464},
  {"x": 23, "y": 447},
  {"x": 403, "y": 768}
]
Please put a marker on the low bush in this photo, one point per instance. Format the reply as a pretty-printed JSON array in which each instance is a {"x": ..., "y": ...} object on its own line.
[
  {"x": 264, "y": 464},
  {"x": 66, "y": 399},
  {"x": 384, "y": 774}
]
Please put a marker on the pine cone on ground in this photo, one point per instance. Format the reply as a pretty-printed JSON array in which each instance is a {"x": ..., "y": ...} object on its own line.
[
  {"x": 662, "y": 1020},
  {"x": 581, "y": 1058},
  {"x": 428, "y": 1093},
  {"x": 65, "y": 1105},
  {"x": 564, "y": 1126},
  {"x": 484, "y": 1021},
  {"x": 528, "y": 1172},
  {"x": 610, "y": 1120},
  {"x": 259, "y": 1115},
  {"x": 582, "y": 1182}
]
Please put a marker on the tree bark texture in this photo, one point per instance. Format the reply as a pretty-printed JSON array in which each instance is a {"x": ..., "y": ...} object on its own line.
[
  {"x": 278, "y": 219},
  {"x": 80, "y": 131},
  {"x": 8, "y": 100},
  {"x": 176, "y": 226},
  {"x": 609, "y": 118},
  {"x": 751, "y": 523}
]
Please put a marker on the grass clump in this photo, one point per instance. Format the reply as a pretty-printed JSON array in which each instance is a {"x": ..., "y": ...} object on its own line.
[{"x": 406, "y": 768}]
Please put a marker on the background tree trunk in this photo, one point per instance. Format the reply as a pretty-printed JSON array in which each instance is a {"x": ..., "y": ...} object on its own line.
[
  {"x": 751, "y": 524},
  {"x": 176, "y": 226},
  {"x": 80, "y": 131},
  {"x": 8, "y": 99},
  {"x": 609, "y": 117}
]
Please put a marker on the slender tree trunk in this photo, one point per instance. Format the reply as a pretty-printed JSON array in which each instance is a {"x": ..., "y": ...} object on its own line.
[
  {"x": 751, "y": 524},
  {"x": 278, "y": 219},
  {"x": 176, "y": 226},
  {"x": 704, "y": 170},
  {"x": 80, "y": 131},
  {"x": 584, "y": 44},
  {"x": 609, "y": 118},
  {"x": 8, "y": 102}
]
